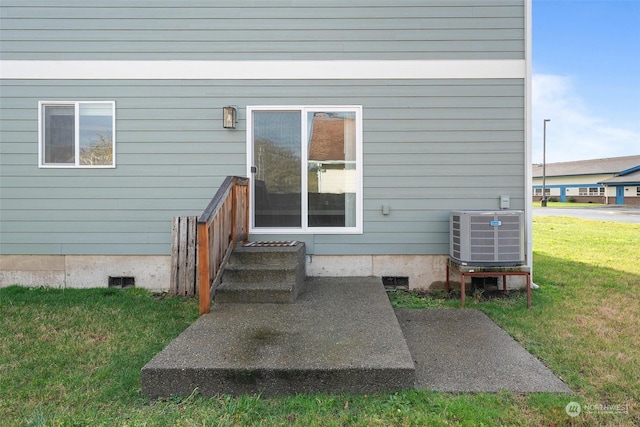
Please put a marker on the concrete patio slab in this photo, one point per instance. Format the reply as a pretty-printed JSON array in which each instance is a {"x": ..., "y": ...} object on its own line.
[
  {"x": 465, "y": 351},
  {"x": 340, "y": 335}
]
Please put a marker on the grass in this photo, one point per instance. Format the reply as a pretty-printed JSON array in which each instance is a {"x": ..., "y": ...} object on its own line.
[
  {"x": 551, "y": 204},
  {"x": 73, "y": 357}
]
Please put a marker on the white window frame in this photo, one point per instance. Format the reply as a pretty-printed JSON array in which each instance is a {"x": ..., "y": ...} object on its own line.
[
  {"x": 76, "y": 105},
  {"x": 305, "y": 228},
  {"x": 595, "y": 191}
]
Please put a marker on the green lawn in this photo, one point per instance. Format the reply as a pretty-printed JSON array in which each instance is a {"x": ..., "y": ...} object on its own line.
[
  {"x": 73, "y": 357},
  {"x": 569, "y": 205}
]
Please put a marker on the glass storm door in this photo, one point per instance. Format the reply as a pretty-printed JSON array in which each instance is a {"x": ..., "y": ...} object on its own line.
[
  {"x": 306, "y": 169},
  {"x": 276, "y": 166}
]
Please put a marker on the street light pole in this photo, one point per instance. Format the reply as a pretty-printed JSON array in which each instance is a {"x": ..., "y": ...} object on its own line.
[{"x": 543, "y": 201}]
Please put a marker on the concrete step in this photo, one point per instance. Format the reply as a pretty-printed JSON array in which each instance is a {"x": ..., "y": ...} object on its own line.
[
  {"x": 254, "y": 293},
  {"x": 260, "y": 254},
  {"x": 263, "y": 274},
  {"x": 339, "y": 336},
  {"x": 254, "y": 273}
]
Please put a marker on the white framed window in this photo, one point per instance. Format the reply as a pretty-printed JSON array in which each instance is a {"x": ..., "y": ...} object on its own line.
[
  {"x": 76, "y": 134},
  {"x": 306, "y": 168},
  {"x": 591, "y": 191}
]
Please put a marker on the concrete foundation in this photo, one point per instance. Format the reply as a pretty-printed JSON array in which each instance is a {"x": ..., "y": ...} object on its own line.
[
  {"x": 425, "y": 272},
  {"x": 84, "y": 271}
]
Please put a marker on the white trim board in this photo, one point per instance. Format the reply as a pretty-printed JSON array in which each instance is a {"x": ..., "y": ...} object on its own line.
[{"x": 262, "y": 70}]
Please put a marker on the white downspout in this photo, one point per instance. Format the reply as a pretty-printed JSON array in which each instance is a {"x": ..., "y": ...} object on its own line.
[{"x": 528, "y": 182}]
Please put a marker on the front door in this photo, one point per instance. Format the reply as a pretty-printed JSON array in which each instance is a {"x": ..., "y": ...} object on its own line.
[
  {"x": 620, "y": 195},
  {"x": 306, "y": 169}
]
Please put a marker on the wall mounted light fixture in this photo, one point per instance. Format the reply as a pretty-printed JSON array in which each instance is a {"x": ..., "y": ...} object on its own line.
[{"x": 229, "y": 117}]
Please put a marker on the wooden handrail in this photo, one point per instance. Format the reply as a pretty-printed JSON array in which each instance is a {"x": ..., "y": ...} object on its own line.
[{"x": 221, "y": 226}]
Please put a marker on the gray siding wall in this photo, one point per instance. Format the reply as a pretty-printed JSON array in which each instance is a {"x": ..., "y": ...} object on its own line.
[
  {"x": 260, "y": 29},
  {"x": 430, "y": 146}
]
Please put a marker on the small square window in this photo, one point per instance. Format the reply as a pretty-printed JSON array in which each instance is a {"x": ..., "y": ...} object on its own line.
[{"x": 77, "y": 134}]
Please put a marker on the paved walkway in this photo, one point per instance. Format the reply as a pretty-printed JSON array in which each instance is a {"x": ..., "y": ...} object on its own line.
[{"x": 465, "y": 351}]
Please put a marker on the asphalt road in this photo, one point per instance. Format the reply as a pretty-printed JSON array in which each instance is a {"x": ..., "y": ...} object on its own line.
[{"x": 605, "y": 213}]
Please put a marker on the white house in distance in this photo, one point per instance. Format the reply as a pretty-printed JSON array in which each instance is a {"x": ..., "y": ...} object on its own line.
[
  {"x": 362, "y": 124},
  {"x": 615, "y": 180}
]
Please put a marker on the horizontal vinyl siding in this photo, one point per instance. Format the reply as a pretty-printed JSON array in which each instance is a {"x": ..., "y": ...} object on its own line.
[
  {"x": 430, "y": 146},
  {"x": 262, "y": 30},
  {"x": 171, "y": 157}
]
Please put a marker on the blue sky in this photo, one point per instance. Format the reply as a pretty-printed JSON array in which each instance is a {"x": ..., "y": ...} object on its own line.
[{"x": 586, "y": 78}]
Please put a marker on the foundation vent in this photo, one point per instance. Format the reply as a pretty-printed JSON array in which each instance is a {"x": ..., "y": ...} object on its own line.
[
  {"x": 122, "y": 282},
  {"x": 394, "y": 283}
]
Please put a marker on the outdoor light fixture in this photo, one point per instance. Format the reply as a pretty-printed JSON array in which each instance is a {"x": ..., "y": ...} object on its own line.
[{"x": 229, "y": 117}]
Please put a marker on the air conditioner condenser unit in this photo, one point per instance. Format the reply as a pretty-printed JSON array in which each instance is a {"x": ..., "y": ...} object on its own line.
[{"x": 487, "y": 238}]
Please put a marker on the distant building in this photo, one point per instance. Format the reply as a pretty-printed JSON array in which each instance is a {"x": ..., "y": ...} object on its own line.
[{"x": 612, "y": 181}]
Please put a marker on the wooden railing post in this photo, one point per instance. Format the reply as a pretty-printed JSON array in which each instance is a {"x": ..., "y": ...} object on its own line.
[
  {"x": 204, "y": 290},
  {"x": 228, "y": 208},
  {"x": 234, "y": 210}
]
